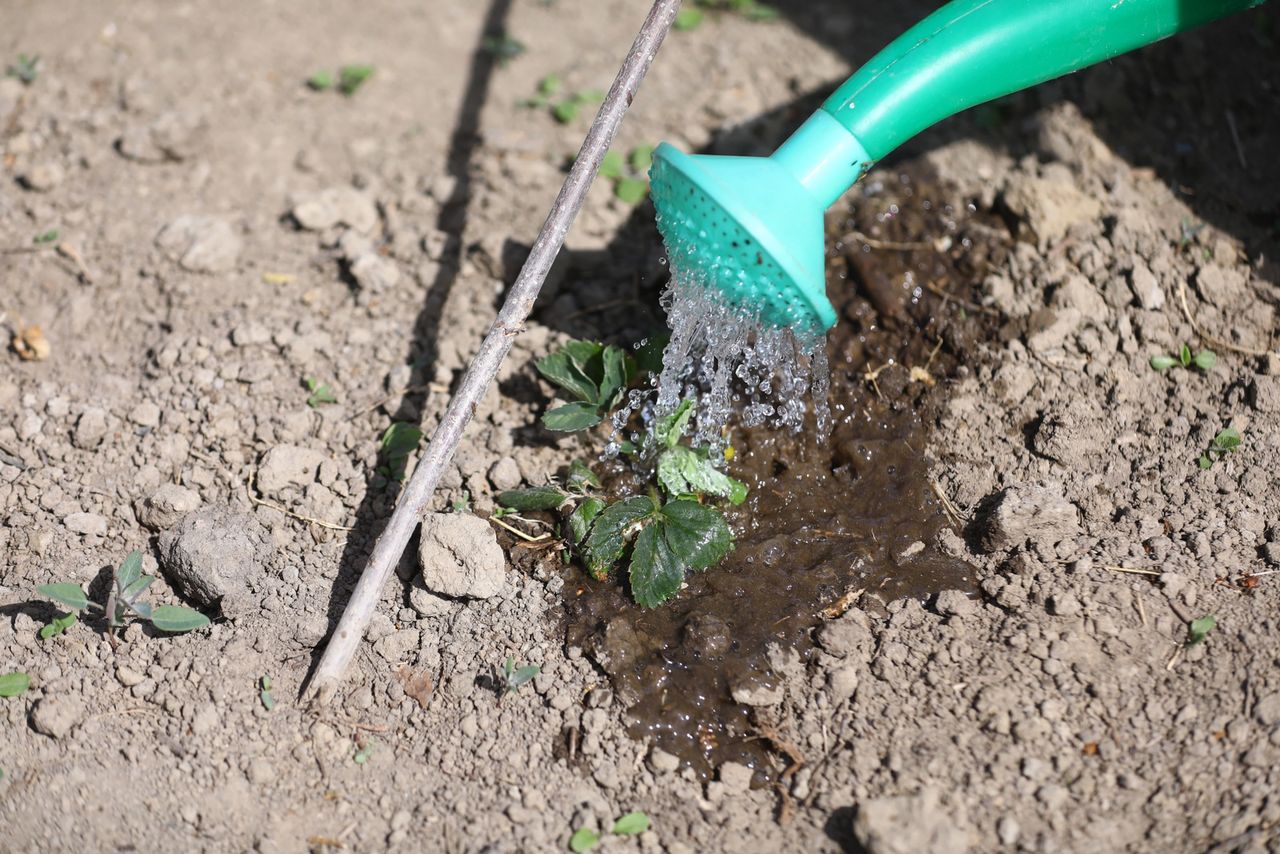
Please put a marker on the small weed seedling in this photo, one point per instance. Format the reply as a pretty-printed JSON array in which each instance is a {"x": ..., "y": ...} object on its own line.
[
  {"x": 125, "y": 599},
  {"x": 629, "y": 174},
  {"x": 503, "y": 48},
  {"x": 596, "y": 378},
  {"x": 752, "y": 10},
  {"x": 1203, "y": 360},
  {"x": 46, "y": 237},
  {"x": 320, "y": 392},
  {"x": 1226, "y": 442},
  {"x": 57, "y": 626},
  {"x": 513, "y": 677},
  {"x": 264, "y": 693},
  {"x": 350, "y": 78},
  {"x": 13, "y": 684},
  {"x": 363, "y": 753},
  {"x": 462, "y": 504},
  {"x": 1199, "y": 629},
  {"x": 398, "y": 442},
  {"x": 631, "y": 824},
  {"x": 564, "y": 107},
  {"x": 25, "y": 68}
]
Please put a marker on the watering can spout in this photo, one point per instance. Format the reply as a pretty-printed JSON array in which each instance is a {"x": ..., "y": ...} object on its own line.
[{"x": 824, "y": 157}]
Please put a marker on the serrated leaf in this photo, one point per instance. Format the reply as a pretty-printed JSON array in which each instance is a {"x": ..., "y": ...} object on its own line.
[
  {"x": 533, "y": 498},
  {"x": 522, "y": 675},
  {"x": 641, "y": 158},
  {"x": 682, "y": 470},
  {"x": 605, "y": 543},
  {"x": 571, "y": 417},
  {"x": 656, "y": 573},
  {"x": 697, "y": 534},
  {"x": 614, "y": 380},
  {"x": 130, "y": 569},
  {"x": 583, "y": 839},
  {"x": 57, "y": 626},
  {"x": 1205, "y": 360},
  {"x": 400, "y": 439},
  {"x": 136, "y": 589},
  {"x": 612, "y": 166},
  {"x": 581, "y": 477},
  {"x": 631, "y": 824},
  {"x": 672, "y": 426},
  {"x": 581, "y": 518},
  {"x": 561, "y": 370},
  {"x": 631, "y": 190},
  {"x": 177, "y": 619},
  {"x": 68, "y": 594},
  {"x": 13, "y": 684},
  {"x": 1200, "y": 629},
  {"x": 1163, "y": 363}
]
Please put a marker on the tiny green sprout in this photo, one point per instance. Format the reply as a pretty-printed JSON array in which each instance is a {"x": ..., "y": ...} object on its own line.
[
  {"x": 1199, "y": 629},
  {"x": 631, "y": 190},
  {"x": 47, "y": 237},
  {"x": 398, "y": 442},
  {"x": 321, "y": 80},
  {"x": 513, "y": 677},
  {"x": 25, "y": 68},
  {"x": 548, "y": 88},
  {"x": 57, "y": 626},
  {"x": 363, "y": 754},
  {"x": 628, "y": 173},
  {"x": 567, "y": 110},
  {"x": 502, "y": 47},
  {"x": 320, "y": 392},
  {"x": 1202, "y": 360},
  {"x": 462, "y": 503},
  {"x": 124, "y": 601},
  {"x": 264, "y": 693},
  {"x": 352, "y": 77},
  {"x": 583, "y": 839},
  {"x": 688, "y": 19},
  {"x": 631, "y": 824},
  {"x": 1226, "y": 442},
  {"x": 13, "y": 684},
  {"x": 612, "y": 166},
  {"x": 641, "y": 158}
]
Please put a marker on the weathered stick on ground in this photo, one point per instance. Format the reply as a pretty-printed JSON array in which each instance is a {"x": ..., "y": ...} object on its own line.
[{"x": 509, "y": 323}]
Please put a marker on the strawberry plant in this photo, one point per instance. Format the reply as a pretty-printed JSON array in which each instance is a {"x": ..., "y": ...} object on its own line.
[{"x": 595, "y": 378}]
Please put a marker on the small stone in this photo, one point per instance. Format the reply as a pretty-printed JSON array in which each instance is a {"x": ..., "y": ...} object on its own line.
[
  {"x": 129, "y": 677},
  {"x": 288, "y": 465},
  {"x": 504, "y": 474},
  {"x": 753, "y": 692},
  {"x": 460, "y": 556},
  {"x": 334, "y": 206},
  {"x": 908, "y": 824},
  {"x": 1264, "y": 393},
  {"x": 165, "y": 507},
  {"x": 736, "y": 777},
  {"x": 249, "y": 334},
  {"x": 1146, "y": 287},
  {"x": 1029, "y": 514},
  {"x": 91, "y": 429},
  {"x": 375, "y": 273},
  {"x": 953, "y": 603},
  {"x": 843, "y": 681},
  {"x": 1271, "y": 553},
  {"x": 1064, "y": 605},
  {"x": 663, "y": 762},
  {"x": 44, "y": 177},
  {"x": 850, "y": 635},
  {"x": 1267, "y": 709},
  {"x": 89, "y": 524},
  {"x": 201, "y": 244},
  {"x": 1007, "y": 829},
  {"x": 145, "y": 414},
  {"x": 214, "y": 556},
  {"x": 261, "y": 771},
  {"x": 56, "y": 716},
  {"x": 425, "y": 603}
]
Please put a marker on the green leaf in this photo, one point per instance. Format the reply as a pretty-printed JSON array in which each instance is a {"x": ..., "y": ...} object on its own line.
[
  {"x": 142, "y": 609},
  {"x": 134, "y": 590},
  {"x": 631, "y": 824},
  {"x": 509, "y": 666},
  {"x": 57, "y": 626},
  {"x": 68, "y": 594},
  {"x": 614, "y": 381},
  {"x": 47, "y": 237},
  {"x": 352, "y": 77},
  {"x": 264, "y": 694},
  {"x": 631, "y": 190},
  {"x": 503, "y": 47},
  {"x": 682, "y": 470},
  {"x": 612, "y": 166},
  {"x": 760, "y": 12},
  {"x": 177, "y": 619},
  {"x": 649, "y": 354},
  {"x": 549, "y": 85},
  {"x": 561, "y": 370},
  {"x": 565, "y": 111},
  {"x": 672, "y": 426},
  {"x": 583, "y": 839},
  {"x": 1184, "y": 356},
  {"x": 13, "y": 684},
  {"x": 1205, "y": 462},
  {"x": 363, "y": 754},
  {"x": 571, "y": 417},
  {"x": 656, "y": 572},
  {"x": 1200, "y": 629},
  {"x": 320, "y": 393},
  {"x": 321, "y": 80},
  {"x": 581, "y": 477},
  {"x": 688, "y": 19},
  {"x": 605, "y": 543},
  {"x": 1227, "y": 439},
  {"x": 697, "y": 534},
  {"x": 400, "y": 440},
  {"x": 533, "y": 498},
  {"x": 522, "y": 675},
  {"x": 585, "y": 356},
  {"x": 1205, "y": 360},
  {"x": 1163, "y": 363},
  {"x": 581, "y": 518},
  {"x": 129, "y": 570},
  {"x": 641, "y": 158}
]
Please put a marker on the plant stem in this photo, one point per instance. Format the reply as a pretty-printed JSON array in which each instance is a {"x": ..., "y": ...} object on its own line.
[{"x": 484, "y": 367}]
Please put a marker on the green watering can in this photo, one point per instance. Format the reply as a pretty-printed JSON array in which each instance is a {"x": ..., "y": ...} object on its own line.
[{"x": 751, "y": 228}]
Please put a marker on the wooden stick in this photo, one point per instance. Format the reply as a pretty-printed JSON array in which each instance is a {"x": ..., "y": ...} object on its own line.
[{"x": 509, "y": 323}]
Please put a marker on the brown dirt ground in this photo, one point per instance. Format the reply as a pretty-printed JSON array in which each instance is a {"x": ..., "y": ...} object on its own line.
[{"x": 1057, "y": 709}]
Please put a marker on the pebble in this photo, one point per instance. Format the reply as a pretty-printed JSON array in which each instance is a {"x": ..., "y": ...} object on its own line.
[
  {"x": 89, "y": 524},
  {"x": 44, "y": 177},
  {"x": 91, "y": 429},
  {"x": 504, "y": 474},
  {"x": 129, "y": 677},
  {"x": 212, "y": 555},
  {"x": 288, "y": 465},
  {"x": 373, "y": 272},
  {"x": 953, "y": 603},
  {"x": 736, "y": 777},
  {"x": 1029, "y": 514},
  {"x": 165, "y": 507},
  {"x": 907, "y": 824},
  {"x": 201, "y": 244},
  {"x": 250, "y": 333},
  {"x": 56, "y": 716},
  {"x": 145, "y": 414},
  {"x": 460, "y": 556},
  {"x": 335, "y": 206},
  {"x": 663, "y": 762}
]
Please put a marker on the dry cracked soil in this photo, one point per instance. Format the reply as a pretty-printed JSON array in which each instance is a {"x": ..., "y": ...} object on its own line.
[{"x": 999, "y": 661}]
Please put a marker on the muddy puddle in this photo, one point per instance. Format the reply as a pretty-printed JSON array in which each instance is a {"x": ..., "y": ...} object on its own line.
[{"x": 825, "y": 520}]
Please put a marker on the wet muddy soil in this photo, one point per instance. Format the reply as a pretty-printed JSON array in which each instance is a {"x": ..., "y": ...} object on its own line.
[{"x": 828, "y": 522}]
